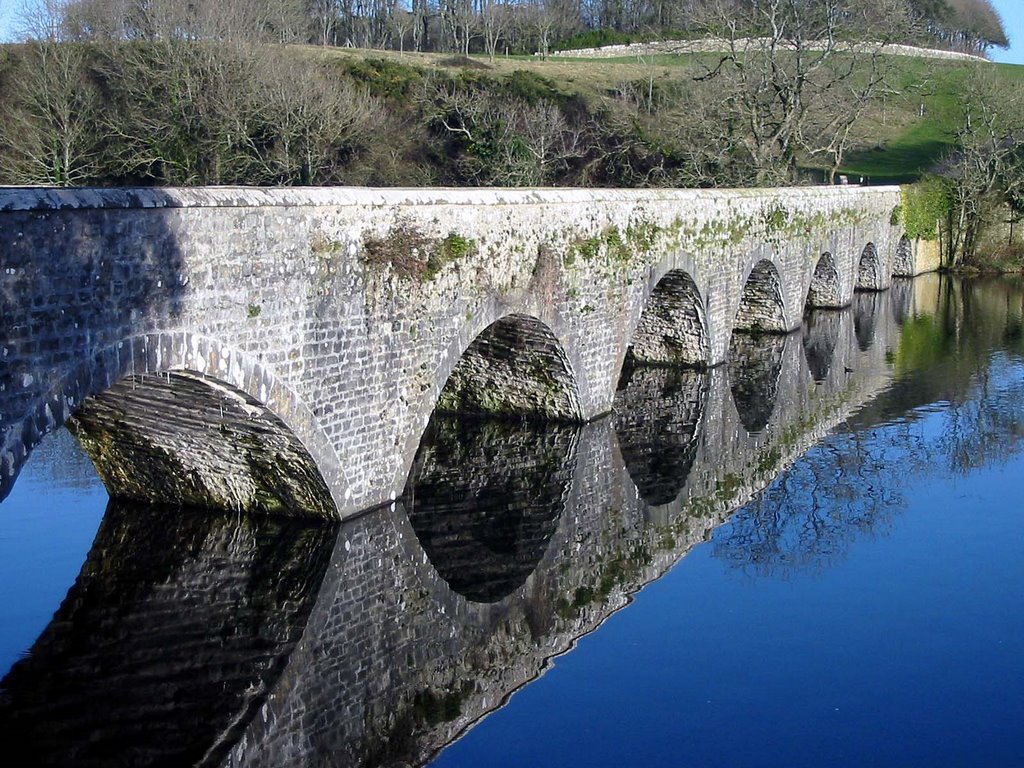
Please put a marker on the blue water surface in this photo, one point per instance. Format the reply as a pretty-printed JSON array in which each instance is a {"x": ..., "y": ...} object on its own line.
[
  {"x": 49, "y": 522},
  {"x": 903, "y": 645}
]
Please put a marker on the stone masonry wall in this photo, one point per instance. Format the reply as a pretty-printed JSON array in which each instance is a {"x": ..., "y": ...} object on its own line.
[{"x": 276, "y": 293}]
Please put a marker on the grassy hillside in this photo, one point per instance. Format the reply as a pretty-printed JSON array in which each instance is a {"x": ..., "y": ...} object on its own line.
[
  {"x": 178, "y": 114},
  {"x": 904, "y": 139}
]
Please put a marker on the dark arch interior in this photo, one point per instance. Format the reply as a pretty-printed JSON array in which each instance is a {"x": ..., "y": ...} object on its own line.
[
  {"x": 824, "y": 290},
  {"x": 516, "y": 367},
  {"x": 177, "y": 626},
  {"x": 761, "y": 307},
  {"x": 865, "y": 314},
  {"x": 901, "y": 295},
  {"x": 185, "y": 438},
  {"x": 903, "y": 264},
  {"x": 658, "y": 416},
  {"x": 821, "y": 331},
  {"x": 672, "y": 329},
  {"x": 485, "y": 496},
  {"x": 869, "y": 269},
  {"x": 755, "y": 368}
]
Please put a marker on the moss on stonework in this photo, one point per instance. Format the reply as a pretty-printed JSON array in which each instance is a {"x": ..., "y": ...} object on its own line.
[
  {"x": 412, "y": 253},
  {"x": 923, "y": 206}
]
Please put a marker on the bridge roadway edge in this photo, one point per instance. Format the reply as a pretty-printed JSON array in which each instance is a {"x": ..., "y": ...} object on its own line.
[{"x": 278, "y": 285}]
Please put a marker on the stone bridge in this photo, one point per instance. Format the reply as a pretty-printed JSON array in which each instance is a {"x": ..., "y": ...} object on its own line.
[
  {"x": 381, "y": 639},
  {"x": 283, "y": 350}
]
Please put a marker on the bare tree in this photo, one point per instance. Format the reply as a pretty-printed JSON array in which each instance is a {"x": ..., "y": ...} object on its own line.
[
  {"x": 782, "y": 58},
  {"x": 493, "y": 17},
  {"x": 988, "y": 164},
  {"x": 51, "y": 135}
]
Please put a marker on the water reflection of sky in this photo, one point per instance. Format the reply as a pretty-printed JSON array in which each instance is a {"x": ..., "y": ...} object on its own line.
[
  {"x": 57, "y": 500},
  {"x": 880, "y": 627}
]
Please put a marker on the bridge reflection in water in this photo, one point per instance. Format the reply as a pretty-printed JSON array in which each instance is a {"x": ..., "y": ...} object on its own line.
[{"x": 258, "y": 642}]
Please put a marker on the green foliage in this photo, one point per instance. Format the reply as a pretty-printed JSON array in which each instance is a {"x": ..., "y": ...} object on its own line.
[
  {"x": 254, "y": 310},
  {"x": 384, "y": 77},
  {"x": 194, "y": 113},
  {"x": 586, "y": 247},
  {"x": 413, "y": 253},
  {"x": 775, "y": 219},
  {"x": 452, "y": 248},
  {"x": 924, "y": 205},
  {"x": 643, "y": 234},
  {"x": 617, "y": 249},
  {"x": 530, "y": 87}
]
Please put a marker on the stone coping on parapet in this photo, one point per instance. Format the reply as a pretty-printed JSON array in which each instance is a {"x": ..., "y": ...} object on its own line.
[
  {"x": 721, "y": 45},
  {"x": 58, "y": 198}
]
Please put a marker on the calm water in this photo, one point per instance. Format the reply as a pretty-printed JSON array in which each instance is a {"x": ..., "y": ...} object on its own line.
[{"x": 811, "y": 556}]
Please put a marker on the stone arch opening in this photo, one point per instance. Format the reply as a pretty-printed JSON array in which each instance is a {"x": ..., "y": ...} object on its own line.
[
  {"x": 869, "y": 269},
  {"x": 485, "y": 497},
  {"x": 762, "y": 309},
  {"x": 672, "y": 328},
  {"x": 755, "y": 371},
  {"x": 515, "y": 368},
  {"x": 234, "y": 384},
  {"x": 821, "y": 331},
  {"x": 186, "y": 438},
  {"x": 903, "y": 263},
  {"x": 865, "y": 317},
  {"x": 825, "y": 291},
  {"x": 658, "y": 417}
]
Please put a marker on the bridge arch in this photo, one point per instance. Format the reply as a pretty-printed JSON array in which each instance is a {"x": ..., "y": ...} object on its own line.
[
  {"x": 673, "y": 328},
  {"x": 903, "y": 261},
  {"x": 762, "y": 308},
  {"x": 866, "y": 311},
  {"x": 213, "y": 426},
  {"x": 825, "y": 290},
  {"x": 755, "y": 371},
  {"x": 516, "y": 366},
  {"x": 870, "y": 276},
  {"x": 482, "y": 358}
]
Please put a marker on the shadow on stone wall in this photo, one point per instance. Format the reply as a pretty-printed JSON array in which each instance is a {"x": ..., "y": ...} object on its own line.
[{"x": 72, "y": 287}]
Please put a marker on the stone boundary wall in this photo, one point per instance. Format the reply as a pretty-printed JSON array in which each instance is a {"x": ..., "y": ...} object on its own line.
[{"x": 676, "y": 47}]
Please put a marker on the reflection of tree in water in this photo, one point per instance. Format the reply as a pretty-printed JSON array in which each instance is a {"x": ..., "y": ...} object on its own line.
[
  {"x": 658, "y": 412},
  {"x": 809, "y": 516},
  {"x": 485, "y": 498},
  {"x": 850, "y": 485},
  {"x": 988, "y": 427}
]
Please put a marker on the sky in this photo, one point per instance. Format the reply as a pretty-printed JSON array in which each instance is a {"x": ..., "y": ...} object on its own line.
[{"x": 1012, "y": 12}]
